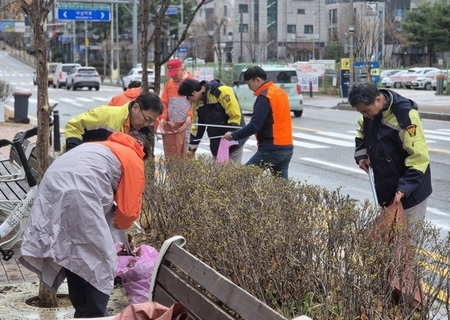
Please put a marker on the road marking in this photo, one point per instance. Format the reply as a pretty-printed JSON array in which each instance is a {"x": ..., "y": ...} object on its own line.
[
  {"x": 101, "y": 99},
  {"x": 67, "y": 100},
  {"x": 436, "y": 137},
  {"x": 324, "y": 140},
  {"x": 438, "y": 131},
  {"x": 337, "y": 135},
  {"x": 333, "y": 165},
  {"x": 84, "y": 99}
]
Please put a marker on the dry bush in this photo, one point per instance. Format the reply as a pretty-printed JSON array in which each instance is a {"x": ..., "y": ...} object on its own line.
[
  {"x": 300, "y": 248},
  {"x": 6, "y": 89}
]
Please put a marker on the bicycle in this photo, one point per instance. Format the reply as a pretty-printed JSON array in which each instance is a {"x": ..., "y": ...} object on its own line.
[{"x": 17, "y": 213}]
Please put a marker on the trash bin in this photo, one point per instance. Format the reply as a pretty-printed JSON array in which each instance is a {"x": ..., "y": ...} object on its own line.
[
  {"x": 21, "y": 106},
  {"x": 439, "y": 84}
]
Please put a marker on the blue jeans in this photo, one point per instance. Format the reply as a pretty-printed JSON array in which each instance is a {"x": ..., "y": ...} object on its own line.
[{"x": 275, "y": 160}]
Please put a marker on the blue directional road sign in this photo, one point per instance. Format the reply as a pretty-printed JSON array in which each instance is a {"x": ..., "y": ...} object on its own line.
[
  {"x": 84, "y": 11},
  {"x": 182, "y": 49}
]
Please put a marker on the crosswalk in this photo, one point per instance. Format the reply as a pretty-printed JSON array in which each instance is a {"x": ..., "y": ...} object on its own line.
[
  {"x": 75, "y": 101},
  {"x": 314, "y": 140}
]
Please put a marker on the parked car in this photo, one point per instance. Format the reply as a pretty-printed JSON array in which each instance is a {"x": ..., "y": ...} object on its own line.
[
  {"x": 283, "y": 77},
  {"x": 59, "y": 80},
  {"x": 51, "y": 72},
  {"x": 135, "y": 74},
  {"x": 388, "y": 73},
  {"x": 80, "y": 77},
  {"x": 412, "y": 75},
  {"x": 191, "y": 60},
  {"x": 423, "y": 81},
  {"x": 394, "y": 80}
]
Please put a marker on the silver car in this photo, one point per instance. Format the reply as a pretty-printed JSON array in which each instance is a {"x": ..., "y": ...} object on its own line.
[
  {"x": 135, "y": 74},
  {"x": 80, "y": 77}
]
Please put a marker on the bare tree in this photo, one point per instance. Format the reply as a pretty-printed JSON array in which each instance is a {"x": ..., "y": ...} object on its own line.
[
  {"x": 159, "y": 11},
  {"x": 37, "y": 11},
  {"x": 216, "y": 38},
  {"x": 367, "y": 36}
]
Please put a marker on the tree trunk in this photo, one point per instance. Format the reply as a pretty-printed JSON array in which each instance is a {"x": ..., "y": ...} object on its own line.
[{"x": 37, "y": 11}]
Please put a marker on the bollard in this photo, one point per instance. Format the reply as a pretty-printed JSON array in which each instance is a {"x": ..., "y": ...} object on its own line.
[
  {"x": 21, "y": 106},
  {"x": 310, "y": 89},
  {"x": 56, "y": 134},
  {"x": 439, "y": 84}
]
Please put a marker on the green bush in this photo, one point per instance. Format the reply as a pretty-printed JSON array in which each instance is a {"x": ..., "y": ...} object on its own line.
[{"x": 300, "y": 248}]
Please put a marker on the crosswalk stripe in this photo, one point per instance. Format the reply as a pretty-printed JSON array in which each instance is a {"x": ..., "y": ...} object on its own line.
[
  {"x": 67, "y": 100},
  {"x": 436, "y": 137},
  {"x": 337, "y": 135},
  {"x": 101, "y": 99},
  {"x": 439, "y": 131},
  {"x": 334, "y": 165},
  {"x": 84, "y": 99},
  {"x": 324, "y": 140},
  {"x": 308, "y": 145}
]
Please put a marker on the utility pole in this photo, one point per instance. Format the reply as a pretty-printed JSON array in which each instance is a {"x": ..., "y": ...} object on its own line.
[
  {"x": 241, "y": 57},
  {"x": 86, "y": 44},
  {"x": 351, "y": 32}
]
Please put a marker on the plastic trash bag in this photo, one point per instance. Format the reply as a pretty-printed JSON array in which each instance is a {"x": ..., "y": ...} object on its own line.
[
  {"x": 174, "y": 137},
  {"x": 223, "y": 153},
  {"x": 153, "y": 311},
  {"x": 136, "y": 272},
  {"x": 391, "y": 227}
]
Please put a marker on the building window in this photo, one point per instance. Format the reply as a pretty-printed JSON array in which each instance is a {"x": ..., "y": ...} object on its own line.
[
  {"x": 300, "y": 11},
  {"x": 244, "y": 28},
  {"x": 309, "y": 29},
  {"x": 291, "y": 28},
  {"x": 334, "y": 17},
  {"x": 243, "y": 8},
  {"x": 225, "y": 11}
]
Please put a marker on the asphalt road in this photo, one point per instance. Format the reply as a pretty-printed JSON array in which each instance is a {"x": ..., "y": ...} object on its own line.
[{"x": 323, "y": 138}]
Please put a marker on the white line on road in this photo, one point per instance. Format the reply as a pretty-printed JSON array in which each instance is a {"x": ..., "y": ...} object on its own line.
[
  {"x": 333, "y": 165},
  {"x": 101, "y": 99},
  {"x": 324, "y": 140},
  {"x": 67, "y": 100},
  {"x": 337, "y": 135},
  {"x": 84, "y": 99},
  {"x": 439, "y": 131}
]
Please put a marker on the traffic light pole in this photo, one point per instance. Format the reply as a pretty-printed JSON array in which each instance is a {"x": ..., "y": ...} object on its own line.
[{"x": 351, "y": 32}]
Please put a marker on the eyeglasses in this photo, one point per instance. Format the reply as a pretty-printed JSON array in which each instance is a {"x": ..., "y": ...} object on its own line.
[
  {"x": 248, "y": 82},
  {"x": 147, "y": 120}
]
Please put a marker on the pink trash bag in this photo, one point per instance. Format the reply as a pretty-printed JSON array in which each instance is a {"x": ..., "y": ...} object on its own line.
[
  {"x": 223, "y": 153},
  {"x": 136, "y": 273}
]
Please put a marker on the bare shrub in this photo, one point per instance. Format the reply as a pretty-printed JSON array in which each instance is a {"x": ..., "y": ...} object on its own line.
[
  {"x": 300, "y": 248},
  {"x": 6, "y": 89}
]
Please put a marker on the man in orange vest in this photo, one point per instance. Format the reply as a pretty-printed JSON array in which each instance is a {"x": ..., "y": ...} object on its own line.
[{"x": 271, "y": 123}]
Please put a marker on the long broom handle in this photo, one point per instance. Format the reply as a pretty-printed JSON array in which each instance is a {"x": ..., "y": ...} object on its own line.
[{"x": 372, "y": 184}]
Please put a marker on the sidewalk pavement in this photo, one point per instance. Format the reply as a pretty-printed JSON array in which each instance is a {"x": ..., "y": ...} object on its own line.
[{"x": 438, "y": 108}]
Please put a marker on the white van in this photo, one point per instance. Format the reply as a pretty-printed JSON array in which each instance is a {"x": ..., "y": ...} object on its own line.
[
  {"x": 284, "y": 77},
  {"x": 61, "y": 71}
]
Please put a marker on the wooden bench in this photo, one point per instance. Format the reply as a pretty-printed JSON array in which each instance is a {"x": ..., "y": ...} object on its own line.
[{"x": 179, "y": 276}]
